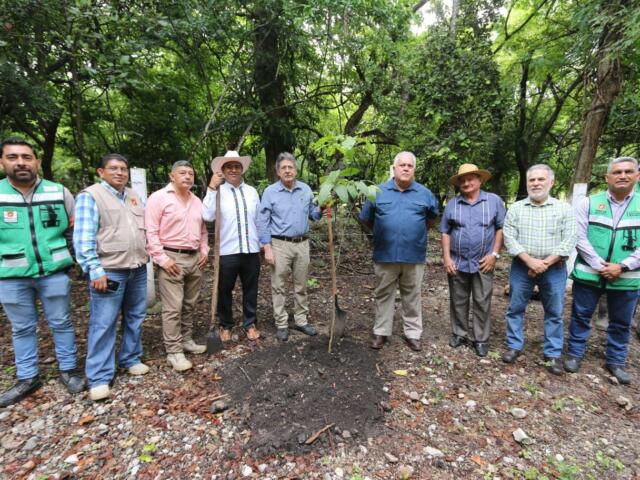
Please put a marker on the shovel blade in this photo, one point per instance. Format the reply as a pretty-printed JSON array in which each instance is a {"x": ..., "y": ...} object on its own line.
[
  {"x": 214, "y": 344},
  {"x": 341, "y": 320}
]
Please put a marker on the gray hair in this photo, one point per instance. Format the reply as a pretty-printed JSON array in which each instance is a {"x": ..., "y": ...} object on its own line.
[
  {"x": 181, "y": 163},
  {"x": 401, "y": 155},
  {"x": 542, "y": 166},
  {"x": 622, "y": 160},
  {"x": 286, "y": 156}
]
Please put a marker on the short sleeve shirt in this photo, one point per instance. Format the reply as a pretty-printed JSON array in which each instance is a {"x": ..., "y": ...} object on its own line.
[
  {"x": 472, "y": 228},
  {"x": 400, "y": 222}
]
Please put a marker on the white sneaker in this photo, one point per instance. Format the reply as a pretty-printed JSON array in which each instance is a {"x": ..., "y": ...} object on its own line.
[
  {"x": 138, "y": 369},
  {"x": 99, "y": 393},
  {"x": 179, "y": 362},
  {"x": 192, "y": 347}
]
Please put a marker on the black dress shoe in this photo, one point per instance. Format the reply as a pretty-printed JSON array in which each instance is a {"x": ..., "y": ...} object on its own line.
[
  {"x": 306, "y": 329},
  {"x": 572, "y": 364},
  {"x": 73, "y": 380},
  {"x": 619, "y": 372},
  {"x": 554, "y": 365},
  {"x": 378, "y": 341},
  {"x": 510, "y": 355},
  {"x": 20, "y": 390},
  {"x": 413, "y": 343},
  {"x": 481, "y": 348},
  {"x": 456, "y": 341},
  {"x": 282, "y": 334}
]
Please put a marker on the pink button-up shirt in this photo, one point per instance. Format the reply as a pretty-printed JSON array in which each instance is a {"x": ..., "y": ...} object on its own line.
[{"x": 172, "y": 223}]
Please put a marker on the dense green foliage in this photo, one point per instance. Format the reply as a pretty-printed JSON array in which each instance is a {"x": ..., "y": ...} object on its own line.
[{"x": 500, "y": 84}]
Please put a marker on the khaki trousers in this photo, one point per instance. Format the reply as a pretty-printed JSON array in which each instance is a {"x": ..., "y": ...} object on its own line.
[
  {"x": 179, "y": 296},
  {"x": 408, "y": 277},
  {"x": 478, "y": 285},
  {"x": 290, "y": 258}
]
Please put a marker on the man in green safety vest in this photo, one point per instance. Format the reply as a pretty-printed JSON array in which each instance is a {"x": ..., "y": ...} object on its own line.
[
  {"x": 34, "y": 259},
  {"x": 608, "y": 263}
]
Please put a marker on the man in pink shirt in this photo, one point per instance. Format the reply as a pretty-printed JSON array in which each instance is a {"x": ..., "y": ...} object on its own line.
[{"x": 177, "y": 242}]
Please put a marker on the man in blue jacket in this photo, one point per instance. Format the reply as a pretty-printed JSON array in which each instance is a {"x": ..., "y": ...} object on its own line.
[{"x": 400, "y": 217}]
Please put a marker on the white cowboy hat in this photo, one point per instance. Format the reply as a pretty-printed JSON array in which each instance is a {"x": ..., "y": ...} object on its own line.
[
  {"x": 230, "y": 156},
  {"x": 466, "y": 168}
]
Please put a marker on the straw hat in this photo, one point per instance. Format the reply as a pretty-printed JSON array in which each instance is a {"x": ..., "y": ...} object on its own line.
[
  {"x": 466, "y": 168},
  {"x": 230, "y": 156}
]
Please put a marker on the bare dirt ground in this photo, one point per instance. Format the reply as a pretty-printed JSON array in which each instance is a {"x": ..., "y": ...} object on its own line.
[{"x": 440, "y": 413}]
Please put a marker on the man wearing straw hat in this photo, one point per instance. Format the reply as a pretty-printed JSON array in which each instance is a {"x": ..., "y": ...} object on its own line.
[
  {"x": 400, "y": 217},
  {"x": 283, "y": 224},
  {"x": 177, "y": 243},
  {"x": 471, "y": 230},
  {"x": 239, "y": 243}
]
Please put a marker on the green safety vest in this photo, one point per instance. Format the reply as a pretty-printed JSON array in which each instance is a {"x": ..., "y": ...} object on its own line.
[
  {"x": 32, "y": 242},
  {"x": 612, "y": 242}
]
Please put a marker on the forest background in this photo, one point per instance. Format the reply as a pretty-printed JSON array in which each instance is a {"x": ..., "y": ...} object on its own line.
[{"x": 340, "y": 83}]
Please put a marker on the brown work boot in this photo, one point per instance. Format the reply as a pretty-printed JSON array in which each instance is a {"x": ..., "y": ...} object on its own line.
[
  {"x": 413, "y": 343},
  {"x": 378, "y": 341}
]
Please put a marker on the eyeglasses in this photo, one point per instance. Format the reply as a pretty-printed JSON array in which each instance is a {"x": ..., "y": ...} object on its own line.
[{"x": 117, "y": 169}]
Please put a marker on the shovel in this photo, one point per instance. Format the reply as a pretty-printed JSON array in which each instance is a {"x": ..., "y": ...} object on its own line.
[
  {"x": 338, "y": 316},
  {"x": 214, "y": 344}
]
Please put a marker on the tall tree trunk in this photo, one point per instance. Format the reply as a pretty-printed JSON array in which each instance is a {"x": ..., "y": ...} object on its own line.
[
  {"x": 276, "y": 125},
  {"x": 521, "y": 147},
  {"x": 609, "y": 80},
  {"x": 48, "y": 145}
]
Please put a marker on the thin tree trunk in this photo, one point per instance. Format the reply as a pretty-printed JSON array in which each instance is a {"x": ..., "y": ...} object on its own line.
[{"x": 609, "y": 78}]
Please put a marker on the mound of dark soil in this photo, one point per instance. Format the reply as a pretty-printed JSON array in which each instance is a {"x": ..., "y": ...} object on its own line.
[{"x": 289, "y": 391}]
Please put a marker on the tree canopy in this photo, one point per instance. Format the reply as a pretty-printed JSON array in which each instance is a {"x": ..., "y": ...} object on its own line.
[{"x": 503, "y": 84}]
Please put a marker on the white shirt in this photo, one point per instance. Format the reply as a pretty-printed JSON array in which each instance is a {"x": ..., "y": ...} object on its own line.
[{"x": 238, "y": 214}]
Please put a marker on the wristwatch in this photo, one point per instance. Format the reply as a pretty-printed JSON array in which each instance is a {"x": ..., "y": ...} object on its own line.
[
  {"x": 495, "y": 254},
  {"x": 624, "y": 268}
]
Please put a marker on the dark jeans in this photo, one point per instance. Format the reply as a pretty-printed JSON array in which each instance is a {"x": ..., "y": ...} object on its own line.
[
  {"x": 622, "y": 305},
  {"x": 247, "y": 267}
]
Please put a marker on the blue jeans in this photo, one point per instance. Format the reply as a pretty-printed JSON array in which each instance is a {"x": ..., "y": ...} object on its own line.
[
  {"x": 18, "y": 297},
  {"x": 621, "y": 305},
  {"x": 131, "y": 300},
  {"x": 551, "y": 284}
]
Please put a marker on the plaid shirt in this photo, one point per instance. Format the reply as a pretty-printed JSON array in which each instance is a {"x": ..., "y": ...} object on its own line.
[
  {"x": 540, "y": 230},
  {"x": 87, "y": 221}
]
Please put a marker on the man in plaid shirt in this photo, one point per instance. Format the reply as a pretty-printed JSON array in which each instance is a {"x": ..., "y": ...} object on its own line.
[{"x": 540, "y": 233}]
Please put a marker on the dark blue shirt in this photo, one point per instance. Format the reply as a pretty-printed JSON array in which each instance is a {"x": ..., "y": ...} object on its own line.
[
  {"x": 400, "y": 222},
  {"x": 472, "y": 228},
  {"x": 286, "y": 212}
]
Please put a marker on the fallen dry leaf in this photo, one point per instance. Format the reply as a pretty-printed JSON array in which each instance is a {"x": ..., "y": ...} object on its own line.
[{"x": 86, "y": 419}]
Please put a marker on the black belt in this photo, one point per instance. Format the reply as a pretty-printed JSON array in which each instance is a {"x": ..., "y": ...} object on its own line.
[
  {"x": 290, "y": 239},
  {"x": 186, "y": 251}
]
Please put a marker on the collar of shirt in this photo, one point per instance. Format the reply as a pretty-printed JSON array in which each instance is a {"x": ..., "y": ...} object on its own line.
[
  {"x": 120, "y": 195},
  {"x": 391, "y": 185},
  {"x": 282, "y": 188},
  {"x": 549, "y": 201},
  {"x": 481, "y": 198},
  {"x": 613, "y": 200},
  {"x": 228, "y": 185},
  {"x": 172, "y": 189}
]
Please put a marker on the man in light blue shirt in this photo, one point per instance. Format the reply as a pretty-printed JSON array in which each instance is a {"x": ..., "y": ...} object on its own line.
[
  {"x": 283, "y": 224},
  {"x": 399, "y": 217}
]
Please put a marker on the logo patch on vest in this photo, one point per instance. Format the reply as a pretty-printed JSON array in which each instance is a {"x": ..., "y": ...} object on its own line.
[
  {"x": 602, "y": 206},
  {"x": 10, "y": 216}
]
